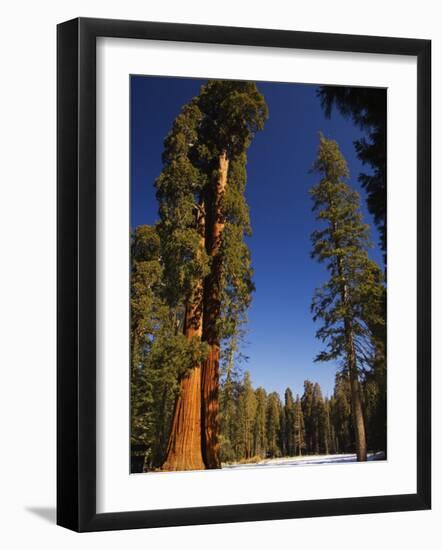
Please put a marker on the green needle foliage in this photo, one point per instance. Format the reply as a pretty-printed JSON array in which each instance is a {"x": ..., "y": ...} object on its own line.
[
  {"x": 289, "y": 415},
  {"x": 168, "y": 276},
  {"x": 179, "y": 188},
  {"x": 256, "y": 425},
  {"x": 351, "y": 304},
  {"x": 351, "y": 299},
  {"x": 367, "y": 107},
  {"x": 160, "y": 354},
  {"x": 224, "y": 117}
]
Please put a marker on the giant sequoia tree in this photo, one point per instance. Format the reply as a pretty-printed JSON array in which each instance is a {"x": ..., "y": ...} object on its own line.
[
  {"x": 349, "y": 304},
  {"x": 203, "y": 221}
]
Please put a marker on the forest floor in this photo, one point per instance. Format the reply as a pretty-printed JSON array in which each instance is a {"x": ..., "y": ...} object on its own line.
[{"x": 305, "y": 460}]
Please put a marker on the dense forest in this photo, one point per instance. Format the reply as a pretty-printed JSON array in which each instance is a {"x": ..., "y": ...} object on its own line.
[
  {"x": 256, "y": 424},
  {"x": 192, "y": 406}
]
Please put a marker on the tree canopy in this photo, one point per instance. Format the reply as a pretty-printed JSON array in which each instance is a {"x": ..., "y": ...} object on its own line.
[
  {"x": 354, "y": 290},
  {"x": 367, "y": 107},
  {"x": 350, "y": 303}
]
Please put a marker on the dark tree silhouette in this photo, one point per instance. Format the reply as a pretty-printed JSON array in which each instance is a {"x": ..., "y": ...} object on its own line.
[{"x": 367, "y": 107}]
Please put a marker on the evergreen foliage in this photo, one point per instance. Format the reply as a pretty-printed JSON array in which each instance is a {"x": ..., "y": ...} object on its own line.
[
  {"x": 195, "y": 274},
  {"x": 224, "y": 117},
  {"x": 350, "y": 304},
  {"x": 352, "y": 297},
  {"x": 367, "y": 107},
  {"x": 160, "y": 354},
  {"x": 306, "y": 425}
]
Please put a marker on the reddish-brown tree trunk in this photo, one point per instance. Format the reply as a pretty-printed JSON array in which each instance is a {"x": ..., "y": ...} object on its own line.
[
  {"x": 184, "y": 447},
  {"x": 184, "y": 450},
  {"x": 212, "y": 310}
]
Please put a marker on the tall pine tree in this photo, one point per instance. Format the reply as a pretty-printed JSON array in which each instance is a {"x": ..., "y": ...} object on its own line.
[
  {"x": 259, "y": 426},
  {"x": 299, "y": 428},
  {"x": 290, "y": 425},
  {"x": 350, "y": 301}
]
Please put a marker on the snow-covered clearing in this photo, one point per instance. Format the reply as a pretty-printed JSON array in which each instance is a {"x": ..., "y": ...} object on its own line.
[{"x": 305, "y": 460}]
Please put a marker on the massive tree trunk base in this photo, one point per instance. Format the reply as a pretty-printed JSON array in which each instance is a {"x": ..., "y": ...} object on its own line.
[
  {"x": 184, "y": 448},
  {"x": 210, "y": 409}
]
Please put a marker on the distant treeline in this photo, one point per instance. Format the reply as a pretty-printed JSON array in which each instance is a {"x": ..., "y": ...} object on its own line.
[{"x": 256, "y": 424}]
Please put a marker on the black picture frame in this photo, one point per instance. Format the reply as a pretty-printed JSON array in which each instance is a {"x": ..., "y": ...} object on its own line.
[{"x": 76, "y": 273}]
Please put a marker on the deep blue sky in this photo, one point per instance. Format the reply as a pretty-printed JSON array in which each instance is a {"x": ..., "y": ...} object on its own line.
[{"x": 281, "y": 343}]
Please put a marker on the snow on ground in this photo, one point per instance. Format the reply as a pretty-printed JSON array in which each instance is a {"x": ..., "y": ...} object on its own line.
[{"x": 306, "y": 460}]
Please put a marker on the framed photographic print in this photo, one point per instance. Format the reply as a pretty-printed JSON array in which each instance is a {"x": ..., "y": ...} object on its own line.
[{"x": 243, "y": 274}]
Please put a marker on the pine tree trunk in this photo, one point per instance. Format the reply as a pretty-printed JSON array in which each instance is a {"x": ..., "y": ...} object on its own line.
[
  {"x": 358, "y": 416},
  {"x": 356, "y": 400},
  {"x": 212, "y": 310},
  {"x": 184, "y": 450}
]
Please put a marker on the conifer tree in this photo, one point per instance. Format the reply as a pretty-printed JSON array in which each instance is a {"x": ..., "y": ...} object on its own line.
[
  {"x": 246, "y": 415},
  {"x": 259, "y": 427},
  {"x": 307, "y": 411},
  {"x": 232, "y": 113},
  {"x": 203, "y": 221},
  {"x": 341, "y": 415},
  {"x": 273, "y": 425},
  {"x": 182, "y": 236},
  {"x": 367, "y": 107},
  {"x": 319, "y": 421},
  {"x": 299, "y": 428},
  {"x": 290, "y": 429},
  {"x": 145, "y": 275},
  {"x": 375, "y": 394},
  {"x": 349, "y": 302},
  {"x": 328, "y": 438},
  {"x": 230, "y": 390},
  {"x": 159, "y": 352}
]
